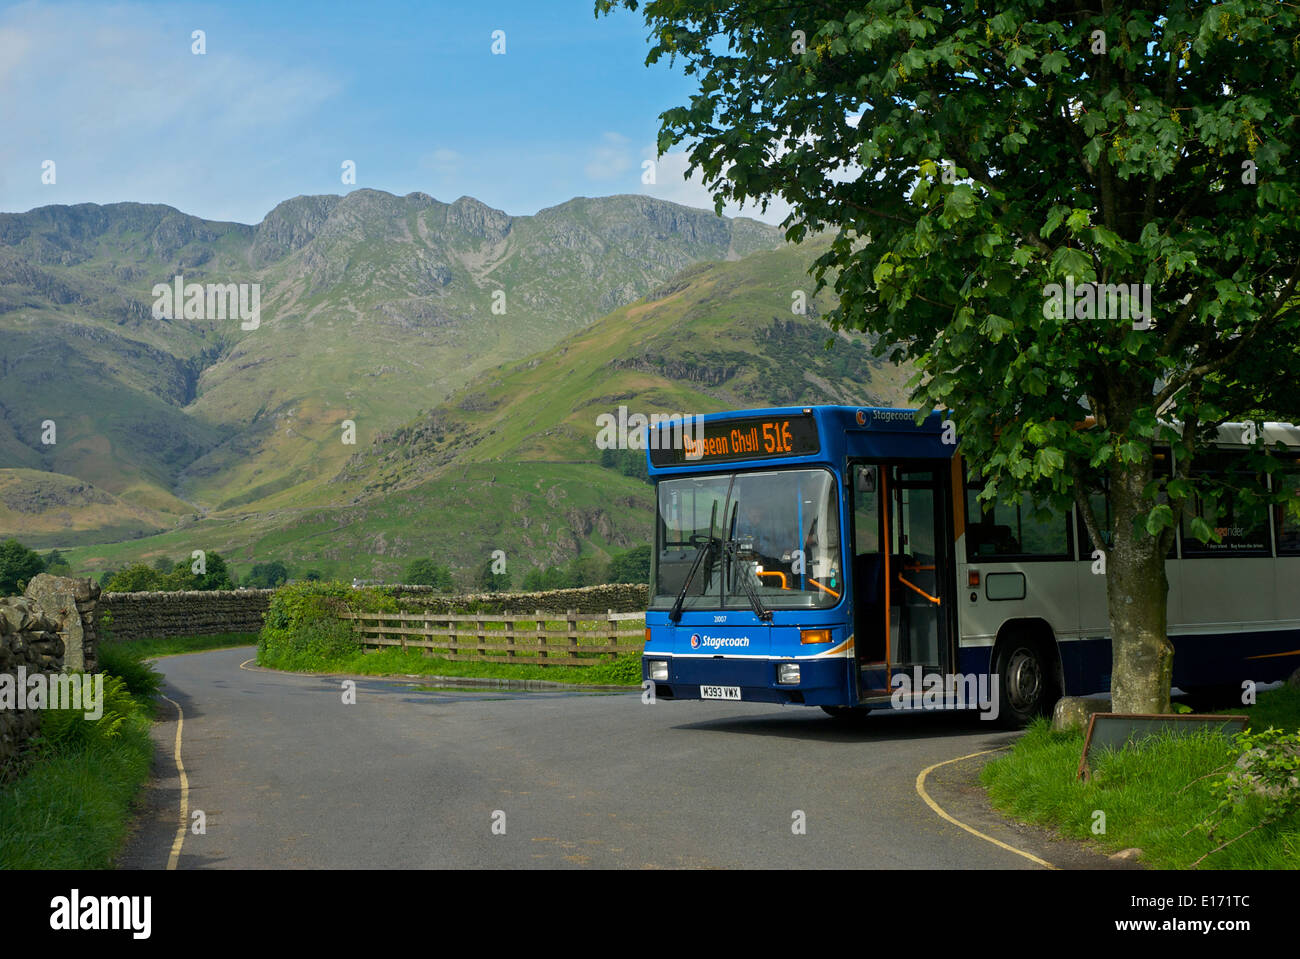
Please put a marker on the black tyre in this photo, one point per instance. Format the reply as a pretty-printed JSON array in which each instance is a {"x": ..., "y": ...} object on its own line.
[
  {"x": 1025, "y": 685},
  {"x": 849, "y": 715},
  {"x": 1207, "y": 698}
]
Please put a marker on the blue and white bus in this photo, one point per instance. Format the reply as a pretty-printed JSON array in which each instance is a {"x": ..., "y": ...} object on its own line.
[{"x": 811, "y": 555}]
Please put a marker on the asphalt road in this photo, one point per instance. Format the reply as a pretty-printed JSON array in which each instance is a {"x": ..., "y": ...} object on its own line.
[{"x": 289, "y": 776}]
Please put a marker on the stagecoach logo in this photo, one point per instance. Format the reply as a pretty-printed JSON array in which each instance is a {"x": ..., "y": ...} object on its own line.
[
  {"x": 885, "y": 416},
  {"x": 713, "y": 642}
]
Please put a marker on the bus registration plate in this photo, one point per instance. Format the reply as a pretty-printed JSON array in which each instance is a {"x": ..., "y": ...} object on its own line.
[{"x": 719, "y": 692}]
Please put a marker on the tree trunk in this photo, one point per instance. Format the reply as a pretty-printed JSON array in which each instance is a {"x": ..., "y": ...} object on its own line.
[{"x": 1137, "y": 595}]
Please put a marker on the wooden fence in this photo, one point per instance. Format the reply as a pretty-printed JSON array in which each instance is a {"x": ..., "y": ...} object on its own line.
[{"x": 540, "y": 638}]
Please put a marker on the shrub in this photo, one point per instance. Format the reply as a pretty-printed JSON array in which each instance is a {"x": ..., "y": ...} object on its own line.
[{"x": 304, "y": 627}]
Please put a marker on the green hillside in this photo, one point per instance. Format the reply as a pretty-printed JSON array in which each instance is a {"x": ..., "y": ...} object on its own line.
[
  {"x": 372, "y": 307},
  {"x": 509, "y": 461}
]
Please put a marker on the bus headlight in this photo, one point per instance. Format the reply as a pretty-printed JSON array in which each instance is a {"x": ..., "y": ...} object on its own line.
[
  {"x": 659, "y": 670},
  {"x": 787, "y": 674}
]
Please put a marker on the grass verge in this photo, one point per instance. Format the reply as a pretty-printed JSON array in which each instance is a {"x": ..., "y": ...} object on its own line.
[
  {"x": 624, "y": 671},
  {"x": 68, "y": 803},
  {"x": 1160, "y": 798},
  {"x": 172, "y": 645}
]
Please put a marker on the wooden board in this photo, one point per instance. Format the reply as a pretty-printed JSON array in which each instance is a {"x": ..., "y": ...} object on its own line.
[{"x": 1122, "y": 730}]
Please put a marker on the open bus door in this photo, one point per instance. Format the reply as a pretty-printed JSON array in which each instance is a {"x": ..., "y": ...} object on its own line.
[{"x": 902, "y": 595}]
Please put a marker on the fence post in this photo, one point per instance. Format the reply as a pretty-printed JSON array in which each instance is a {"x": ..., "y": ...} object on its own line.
[
  {"x": 511, "y": 626},
  {"x": 480, "y": 638},
  {"x": 572, "y": 622},
  {"x": 541, "y": 639},
  {"x": 401, "y": 624},
  {"x": 613, "y": 632}
]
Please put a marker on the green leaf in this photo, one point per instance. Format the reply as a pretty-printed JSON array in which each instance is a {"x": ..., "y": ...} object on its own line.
[
  {"x": 1162, "y": 517},
  {"x": 1201, "y": 530}
]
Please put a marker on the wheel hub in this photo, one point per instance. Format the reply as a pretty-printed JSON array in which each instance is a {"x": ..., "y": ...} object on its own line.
[{"x": 1024, "y": 679}]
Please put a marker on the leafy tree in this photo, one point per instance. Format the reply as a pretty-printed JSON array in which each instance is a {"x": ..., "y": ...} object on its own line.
[
  {"x": 589, "y": 570},
  {"x": 973, "y": 159},
  {"x": 18, "y": 565},
  {"x": 164, "y": 565},
  {"x": 628, "y": 462},
  {"x": 425, "y": 572},
  {"x": 631, "y": 566},
  {"x": 138, "y": 577},
  {"x": 312, "y": 576},
  {"x": 56, "y": 564},
  {"x": 217, "y": 574},
  {"x": 106, "y": 577},
  {"x": 492, "y": 582},
  {"x": 267, "y": 575}
]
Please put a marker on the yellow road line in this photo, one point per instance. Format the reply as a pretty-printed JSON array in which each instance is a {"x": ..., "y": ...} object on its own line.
[
  {"x": 244, "y": 664},
  {"x": 185, "y": 789},
  {"x": 920, "y": 788}
]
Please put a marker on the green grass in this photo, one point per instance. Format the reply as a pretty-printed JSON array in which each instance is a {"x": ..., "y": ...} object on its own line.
[
  {"x": 69, "y": 805},
  {"x": 151, "y": 648},
  {"x": 625, "y": 671},
  {"x": 1157, "y": 797}
]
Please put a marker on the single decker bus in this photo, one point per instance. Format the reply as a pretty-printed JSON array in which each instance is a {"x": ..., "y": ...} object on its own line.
[{"x": 814, "y": 555}]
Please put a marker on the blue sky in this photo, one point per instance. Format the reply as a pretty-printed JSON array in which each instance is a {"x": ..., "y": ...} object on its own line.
[{"x": 288, "y": 91}]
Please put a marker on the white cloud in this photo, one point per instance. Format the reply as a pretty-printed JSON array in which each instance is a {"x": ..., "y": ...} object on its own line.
[
  {"x": 443, "y": 162},
  {"x": 115, "y": 97},
  {"x": 671, "y": 183},
  {"x": 612, "y": 159}
]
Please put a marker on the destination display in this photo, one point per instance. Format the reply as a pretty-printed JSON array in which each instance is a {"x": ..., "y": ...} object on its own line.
[{"x": 741, "y": 439}]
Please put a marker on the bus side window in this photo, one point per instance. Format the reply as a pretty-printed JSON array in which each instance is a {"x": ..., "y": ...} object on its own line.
[
  {"x": 866, "y": 511},
  {"x": 1287, "y": 515}
]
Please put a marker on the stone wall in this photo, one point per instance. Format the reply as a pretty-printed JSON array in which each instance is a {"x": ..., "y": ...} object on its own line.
[
  {"x": 29, "y": 640},
  {"x": 71, "y": 604},
  {"x": 621, "y": 598},
  {"x": 196, "y": 613},
  {"x": 185, "y": 613}
]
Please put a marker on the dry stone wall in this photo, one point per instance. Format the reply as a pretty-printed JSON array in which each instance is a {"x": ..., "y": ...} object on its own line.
[
  {"x": 185, "y": 613},
  {"x": 29, "y": 643}
]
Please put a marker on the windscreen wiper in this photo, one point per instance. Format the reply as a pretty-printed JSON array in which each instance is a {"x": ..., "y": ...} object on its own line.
[
  {"x": 730, "y": 548},
  {"x": 707, "y": 547}
]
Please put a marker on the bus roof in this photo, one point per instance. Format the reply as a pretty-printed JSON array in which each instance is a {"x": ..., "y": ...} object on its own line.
[
  {"x": 856, "y": 431},
  {"x": 892, "y": 432}
]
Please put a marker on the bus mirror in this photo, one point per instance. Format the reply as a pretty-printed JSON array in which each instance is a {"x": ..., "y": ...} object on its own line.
[{"x": 866, "y": 479}]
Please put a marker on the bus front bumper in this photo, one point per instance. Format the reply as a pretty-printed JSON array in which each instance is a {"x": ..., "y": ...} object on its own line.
[{"x": 821, "y": 682}]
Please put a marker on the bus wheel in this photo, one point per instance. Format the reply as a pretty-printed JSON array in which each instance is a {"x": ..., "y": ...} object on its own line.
[
  {"x": 1024, "y": 687},
  {"x": 1207, "y": 698},
  {"x": 846, "y": 714}
]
